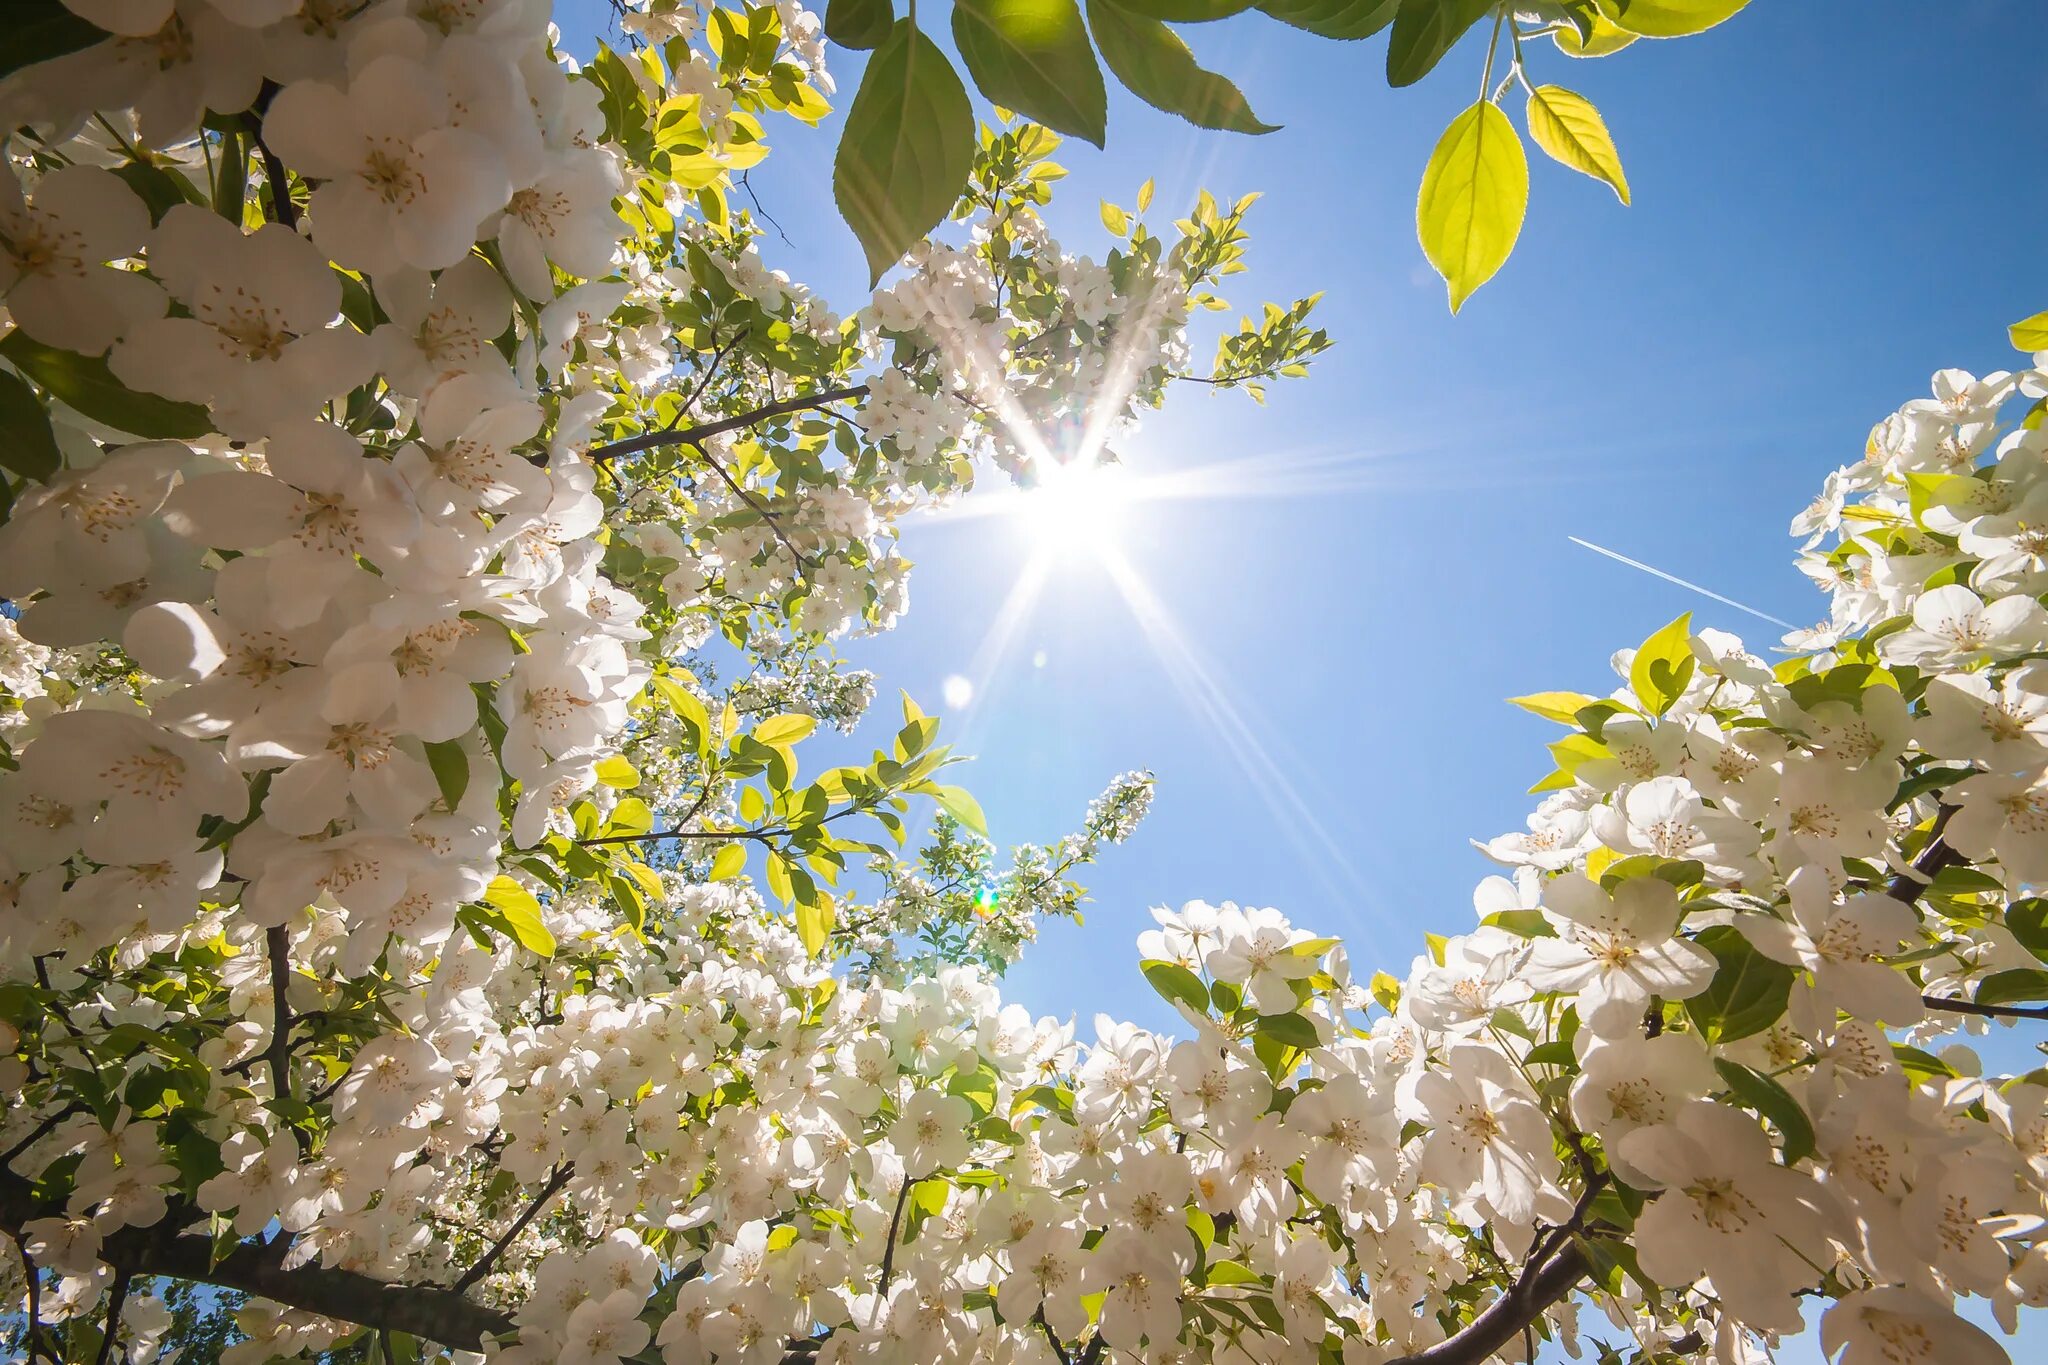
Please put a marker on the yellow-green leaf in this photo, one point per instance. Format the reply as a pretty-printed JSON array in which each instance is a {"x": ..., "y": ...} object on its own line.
[
  {"x": 1115, "y": 219},
  {"x": 960, "y": 804},
  {"x": 729, "y": 862},
  {"x": 1668, "y": 18},
  {"x": 1567, "y": 126},
  {"x": 1605, "y": 38},
  {"x": 2030, "y": 334},
  {"x": 1663, "y": 666},
  {"x": 814, "y": 921},
  {"x": 1562, "y": 707},
  {"x": 522, "y": 912},
  {"x": 1474, "y": 194},
  {"x": 787, "y": 728},
  {"x": 618, "y": 771}
]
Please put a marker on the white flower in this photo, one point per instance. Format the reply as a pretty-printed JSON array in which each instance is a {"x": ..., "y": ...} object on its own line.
[
  {"x": 401, "y": 183},
  {"x": 1727, "y": 1211},
  {"x": 55, "y": 246},
  {"x": 1486, "y": 1139},
  {"x": 1616, "y": 949},
  {"x": 258, "y": 345},
  {"x": 1893, "y": 1326},
  {"x": 1952, "y": 625},
  {"x": 932, "y": 1133}
]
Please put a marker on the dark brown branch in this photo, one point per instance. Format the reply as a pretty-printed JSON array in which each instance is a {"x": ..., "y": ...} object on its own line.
[
  {"x": 35, "y": 1292},
  {"x": 693, "y": 435},
  {"x": 748, "y": 498},
  {"x": 40, "y": 1131},
  {"x": 484, "y": 1262},
  {"x": 1907, "y": 886},
  {"x": 279, "y": 1053},
  {"x": 1941, "y": 1002},
  {"x": 1504, "y": 1318},
  {"x": 889, "y": 1247},
  {"x": 117, "y": 1298},
  {"x": 423, "y": 1310}
]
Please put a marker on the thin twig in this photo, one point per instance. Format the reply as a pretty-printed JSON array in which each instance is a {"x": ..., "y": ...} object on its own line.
[
  {"x": 559, "y": 1178},
  {"x": 1940, "y": 1002},
  {"x": 117, "y": 1297},
  {"x": 695, "y": 435},
  {"x": 748, "y": 186},
  {"x": 889, "y": 1247},
  {"x": 762, "y": 512},
  {"x": 35, "y": 1295}
]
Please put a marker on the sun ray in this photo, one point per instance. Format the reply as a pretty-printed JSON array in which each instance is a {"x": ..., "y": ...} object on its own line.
[{"x": 1199, "y": 686}]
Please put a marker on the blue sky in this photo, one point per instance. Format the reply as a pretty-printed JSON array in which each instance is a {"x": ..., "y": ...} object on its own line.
[{"x": 1831, "y": 201}]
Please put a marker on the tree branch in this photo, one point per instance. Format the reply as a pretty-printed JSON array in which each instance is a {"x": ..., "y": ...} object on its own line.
[
  {"x": 117, "y": 1298},
  {"x": 693, "y": 435},
  {"x": 559, "y": 1178},
  {"x": 1941, "y": 1002},
  {"x": 422, "y": 1310},
  {"x": 747, "y": 498},
  {"x": 1907, "y": 886},
  {"x": 1504, "y": 1318}
]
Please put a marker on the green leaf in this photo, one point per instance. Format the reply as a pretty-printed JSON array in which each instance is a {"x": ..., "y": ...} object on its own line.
[
  {"x": 1668, "y": 18},
  {"x": 631, "y": 816},
  {"x": 1187, "y": 11},
  {"x": 1345, "y": 19},
  {"x": 1116, "y": 220},
  {"x": 1568, "y": 127},
  {"x": 2028, "y": 920},
  {"x": 1663, "y": 666},
  {"x": 28, "y": 446},
  {"x": 815, "y": 918},
  {"x": 1748, "y": 993},
  {"x": 960, "y": 804},
  {"x": 1557, "y": 1053},
  {"x": 2004, "y": 988},
  {"x": 451, "y": 769},
  {"x": 617, "y": 771},
  {"x": 977, "y": 1087},
  {"x": 522, "y": 913},
  {"x": 728, "y": 862},
  {"x": 2030, "y": 334},
  {"x": 1562, "y": 707},
  {"x": 1152, "y": 61},
  {"x": 1424, "y": 30},
  {"x": 88, "y": 386},
  {"x": 1231, "y": 1272},
  {"x": 1474, "y": 193},
  {"x": 162, "y": 190},
  {"x": 1176, "y": 982},
  {"x": 1033, "y": 56},
  {"x": 1775, "y": 1103},
  {"x": 787, "y": 728},
  {"x": 38, "y": 30},
  {"x": 907, "y": 147},
  {"x": 1290, "y": 1029},
  {"x": 859, "y": 24}
]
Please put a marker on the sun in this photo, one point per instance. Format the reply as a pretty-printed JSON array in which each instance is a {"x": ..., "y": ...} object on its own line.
[{"x": 1076, "y": 508}]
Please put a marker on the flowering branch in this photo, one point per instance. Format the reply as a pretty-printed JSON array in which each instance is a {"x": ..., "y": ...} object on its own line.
[
  {"x": 427, "y": 1311},
  {"x": 1953, "y": 1006},
  {"x": 1506, "y": 1316},
  {"x": 695, "y": 435},
  {"x": 559, "y": 1178}
]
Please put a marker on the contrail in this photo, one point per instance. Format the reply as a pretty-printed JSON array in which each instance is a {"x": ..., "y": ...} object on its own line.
[{"x": 1672, "y": 578}]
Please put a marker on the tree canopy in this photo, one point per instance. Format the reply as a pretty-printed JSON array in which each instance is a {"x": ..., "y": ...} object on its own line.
[{"x": 428, "y": 928}]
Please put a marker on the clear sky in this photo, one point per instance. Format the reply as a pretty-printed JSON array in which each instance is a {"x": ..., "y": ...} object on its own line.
[{"x": 1832, "y": 200}]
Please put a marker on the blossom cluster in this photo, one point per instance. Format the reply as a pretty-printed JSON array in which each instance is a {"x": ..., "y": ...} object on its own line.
[{"x": 408, "y": 435}]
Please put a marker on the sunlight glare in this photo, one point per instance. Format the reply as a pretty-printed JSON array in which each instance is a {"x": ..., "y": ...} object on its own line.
[{"x": 1076, "y": 508}]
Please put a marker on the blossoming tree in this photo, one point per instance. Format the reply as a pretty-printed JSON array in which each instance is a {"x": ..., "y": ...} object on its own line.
[{"x": 428, "y": 523}]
